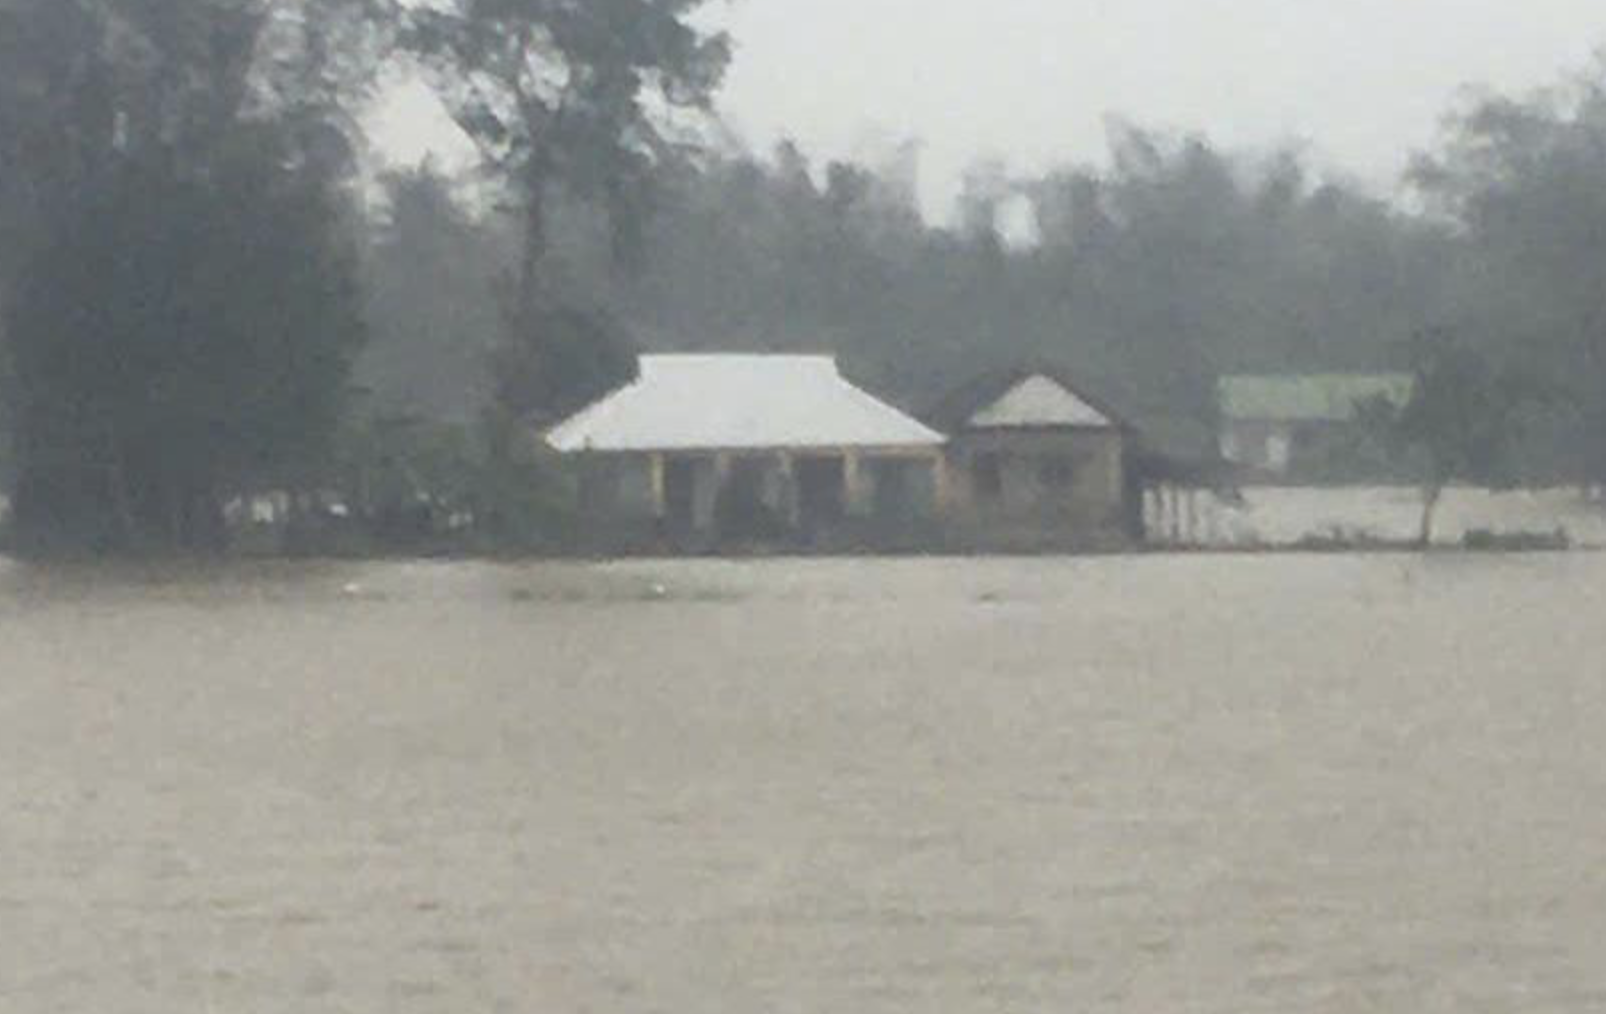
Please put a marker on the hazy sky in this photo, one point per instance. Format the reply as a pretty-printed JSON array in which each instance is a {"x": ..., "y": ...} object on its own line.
[{"x": 1031, "y": 82}]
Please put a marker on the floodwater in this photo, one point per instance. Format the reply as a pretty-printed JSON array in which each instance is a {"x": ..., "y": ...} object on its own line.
[
  {"x": 1284, "y": 516},
  {"x": 1209, "y": 784}
]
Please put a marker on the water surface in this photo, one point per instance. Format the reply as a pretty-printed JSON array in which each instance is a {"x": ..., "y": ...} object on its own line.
[{"x": 1215, "y": 785}]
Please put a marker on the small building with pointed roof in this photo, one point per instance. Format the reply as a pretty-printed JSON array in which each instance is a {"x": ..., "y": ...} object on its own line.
[{"x": 1034, "y": 462}]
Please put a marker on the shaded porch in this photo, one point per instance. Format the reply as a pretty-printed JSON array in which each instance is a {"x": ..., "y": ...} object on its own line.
[{"x": 813, "y": 499}]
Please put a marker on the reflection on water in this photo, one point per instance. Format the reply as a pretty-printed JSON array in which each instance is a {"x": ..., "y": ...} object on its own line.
[{"x": 1328, "y": 784}]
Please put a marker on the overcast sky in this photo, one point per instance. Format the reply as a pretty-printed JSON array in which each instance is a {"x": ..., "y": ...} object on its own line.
[{"x": 1031, "y": 82}]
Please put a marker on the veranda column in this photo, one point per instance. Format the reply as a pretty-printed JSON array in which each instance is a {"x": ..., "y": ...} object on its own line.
[
  {"x": 941, "y": 485},
  {"x": 657, "y": 469},
  {"x": 791, "y": 506},
  {"x": 724, "y": 466},
  {"x": 853, "y": 483}
]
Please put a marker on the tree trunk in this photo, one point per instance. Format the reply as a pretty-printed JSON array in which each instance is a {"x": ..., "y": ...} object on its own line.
[
  {"x": 1431, "y": 495},
  {"x": 534, "y": 240}
]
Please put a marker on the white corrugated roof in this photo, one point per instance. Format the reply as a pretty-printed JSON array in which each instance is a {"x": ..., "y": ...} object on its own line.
[
  {"x": 1040, "y": 401},
  {"x": 738, "y": 402}
]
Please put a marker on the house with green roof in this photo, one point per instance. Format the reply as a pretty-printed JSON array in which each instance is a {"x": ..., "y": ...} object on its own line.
[{"x": 1295, "y": 426}]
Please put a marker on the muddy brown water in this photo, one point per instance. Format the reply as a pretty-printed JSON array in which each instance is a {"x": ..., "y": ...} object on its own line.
[{"x": 1163, "y": 784}]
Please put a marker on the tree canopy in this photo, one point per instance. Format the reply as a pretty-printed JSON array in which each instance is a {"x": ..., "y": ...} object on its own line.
[
  {"x": 180, "y": 321},
  {"x": 1522, "y": 182},
  {"x": 577, "y": 100}
]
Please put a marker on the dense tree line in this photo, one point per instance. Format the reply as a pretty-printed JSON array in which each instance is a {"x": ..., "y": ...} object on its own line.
[{"x": 1149, "y": 278}]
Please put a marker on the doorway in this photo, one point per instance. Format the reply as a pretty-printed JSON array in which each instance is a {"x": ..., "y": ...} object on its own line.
[
  {"x": 680, "y": 497},
  {"x": 822, "y": 493}
]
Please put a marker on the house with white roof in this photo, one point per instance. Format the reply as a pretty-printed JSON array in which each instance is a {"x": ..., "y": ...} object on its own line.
[
  {"x": 705, "y": 449},
  {"x": 1035, "y": 463}
]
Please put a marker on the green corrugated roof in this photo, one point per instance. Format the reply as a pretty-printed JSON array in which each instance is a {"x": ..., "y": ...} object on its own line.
[{"x": 1317, "y": 397}]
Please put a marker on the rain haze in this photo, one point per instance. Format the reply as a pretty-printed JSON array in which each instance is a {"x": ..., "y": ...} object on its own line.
[
  {"x": 1031, "y": 506},
  {"x": 1363, "y": 83}
]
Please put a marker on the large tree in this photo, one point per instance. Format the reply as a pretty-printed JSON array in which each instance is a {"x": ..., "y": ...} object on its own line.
[
  {"x": 576, "y": 99},
  {"x": 180, "y": 321},
  {"x": 1523, "y": 183},
  {"x": 1464, "y": 419}
]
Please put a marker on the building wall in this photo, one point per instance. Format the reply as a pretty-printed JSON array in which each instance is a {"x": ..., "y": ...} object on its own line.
[
  {"x": 1320, "y": 452},
  {"x": 1260, "y": 444},
  {"x": 882, "y": 498},
  {"x": 1023, "y": 490},
  {"x": 618, "y": 487},
  {"x": 1063, "y": 489},
  {"x": 617, "y": 500}
]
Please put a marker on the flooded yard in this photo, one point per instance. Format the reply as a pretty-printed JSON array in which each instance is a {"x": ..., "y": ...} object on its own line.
[
  {"x": 1160, "y": 784},
  {"x": 1286, "y": 516}
]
